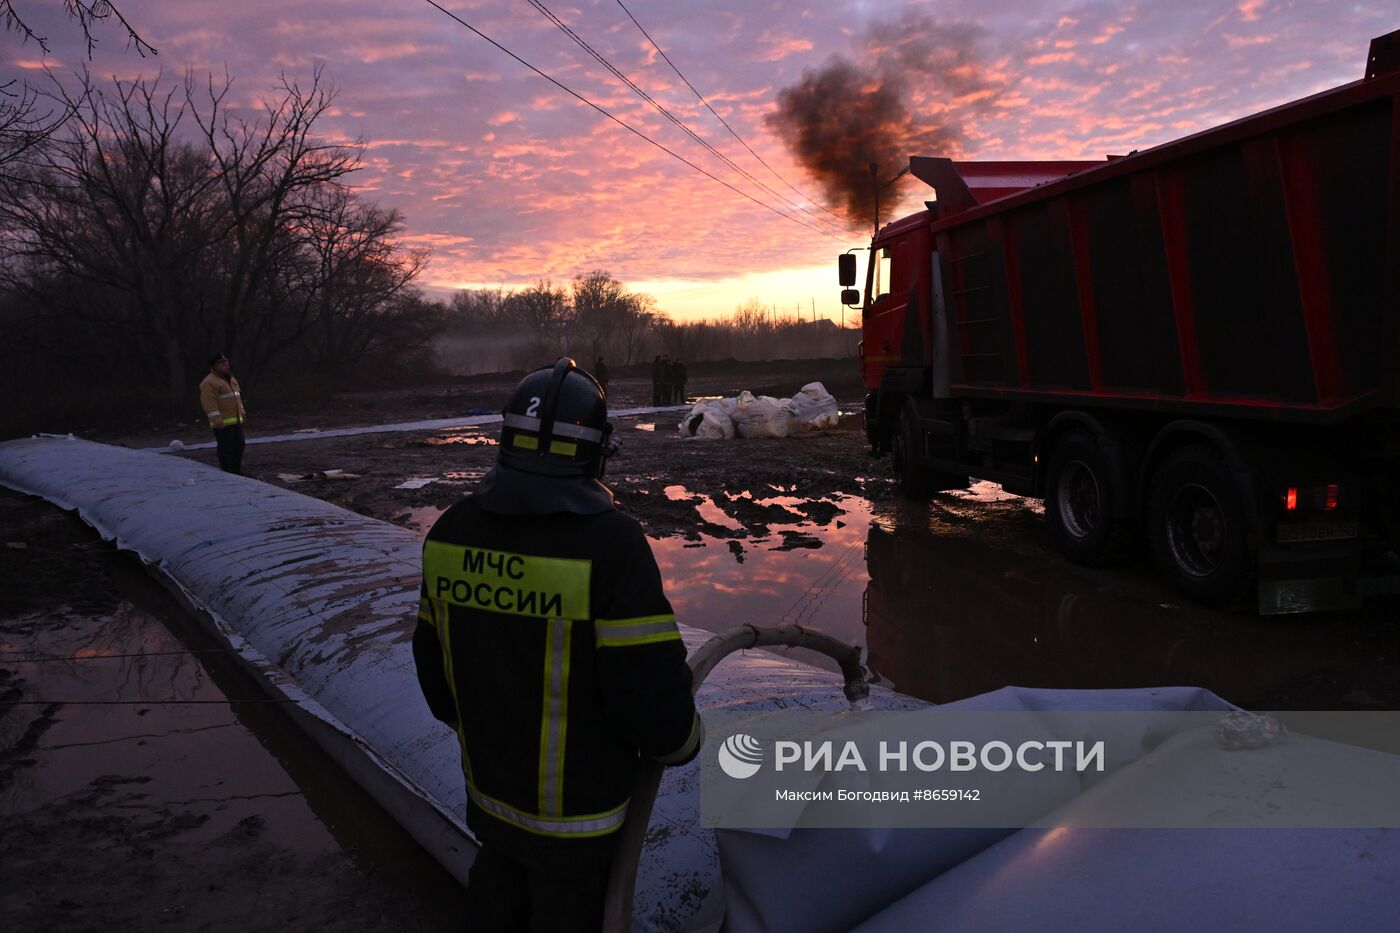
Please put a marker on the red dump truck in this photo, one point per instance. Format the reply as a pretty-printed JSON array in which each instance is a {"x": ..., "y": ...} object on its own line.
[{"x": 1195, "y": 346}]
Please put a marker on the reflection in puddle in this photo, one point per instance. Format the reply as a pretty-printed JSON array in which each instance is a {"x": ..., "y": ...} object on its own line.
[
  {"x": 472, "y": 439},
  {"x": 124, "y": 711},
  {"x": 644, "y": 426},
  {"x": 952, "y": 615},
  {"x": 960, "y": 597},
  {"x": 420, "y": 519},
  {"x": 815, "y": 577}
]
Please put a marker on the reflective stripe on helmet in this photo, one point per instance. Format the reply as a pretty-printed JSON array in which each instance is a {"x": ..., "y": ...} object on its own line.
[
  {"x": 576, "y": 431},
  {"x": 562, "y": 448}
]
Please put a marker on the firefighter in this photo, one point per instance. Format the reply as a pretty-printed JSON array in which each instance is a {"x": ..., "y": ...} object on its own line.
[
  {"x": 679, "y": 378},
  {"x": 545, "y": 640},
  {"x": 222, "y": 402}
]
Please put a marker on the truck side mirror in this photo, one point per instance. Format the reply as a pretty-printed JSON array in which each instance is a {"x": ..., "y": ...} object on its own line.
[
  {"x": 846, "y": 264},
  {"x": 850, "y": 296}
]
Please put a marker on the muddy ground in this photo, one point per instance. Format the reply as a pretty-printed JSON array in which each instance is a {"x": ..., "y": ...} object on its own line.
[
  {"x": 961, "y": 595},
  {"x": 957, "y": 596},
  {"x": 653, "y": 458}
]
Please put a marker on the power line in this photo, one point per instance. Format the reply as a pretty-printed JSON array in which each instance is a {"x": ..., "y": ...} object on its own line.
[
  {"x": 628, "y": 127},
  {"x": 721, "y": 119},
  {"x": 601, "y": 59}
]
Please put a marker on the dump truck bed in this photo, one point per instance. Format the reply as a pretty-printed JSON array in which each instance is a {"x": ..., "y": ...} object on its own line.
[{"x": 1249, "y": 270}]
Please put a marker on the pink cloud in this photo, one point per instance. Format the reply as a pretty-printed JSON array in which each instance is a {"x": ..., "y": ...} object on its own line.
[{"x": 1249, "y": 9}]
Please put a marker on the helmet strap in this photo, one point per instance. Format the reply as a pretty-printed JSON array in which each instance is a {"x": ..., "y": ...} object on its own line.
[{"x": 562, "y": 368}]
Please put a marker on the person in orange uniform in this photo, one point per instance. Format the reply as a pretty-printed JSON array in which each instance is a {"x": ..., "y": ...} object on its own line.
[{"x": 222, "y": 402}]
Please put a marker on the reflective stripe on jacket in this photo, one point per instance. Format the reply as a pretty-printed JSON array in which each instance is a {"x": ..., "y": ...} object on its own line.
[
  {"x": 221, "y": 401},
  {"x": 547, "y": 642}
]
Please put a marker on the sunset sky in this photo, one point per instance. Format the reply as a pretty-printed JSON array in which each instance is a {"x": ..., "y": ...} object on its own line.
[{"x": 507, "y": 179}]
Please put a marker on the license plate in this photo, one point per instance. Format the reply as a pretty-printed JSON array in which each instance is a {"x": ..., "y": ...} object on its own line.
[{"x": 1332, "y": 531}]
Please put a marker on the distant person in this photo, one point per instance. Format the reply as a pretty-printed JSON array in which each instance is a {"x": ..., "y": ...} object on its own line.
[
  {"x": 680, "y": 381},
  {"x": 658, "y": 379},
  {"x": 222, "y": 402},
  {"x": 545, "y": 639},
  {"x": 669, "y": 395},
  {"x": 600, "y": 372}
]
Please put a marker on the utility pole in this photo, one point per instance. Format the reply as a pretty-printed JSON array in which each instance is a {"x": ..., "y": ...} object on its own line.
[{"x": 814, "y": 310}]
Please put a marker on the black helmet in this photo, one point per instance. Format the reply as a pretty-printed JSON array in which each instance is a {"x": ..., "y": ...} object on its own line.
[{"x": 554, "y": 442}]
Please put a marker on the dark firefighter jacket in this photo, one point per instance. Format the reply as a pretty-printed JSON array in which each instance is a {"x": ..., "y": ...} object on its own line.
[{"x": 547, "y": 642}]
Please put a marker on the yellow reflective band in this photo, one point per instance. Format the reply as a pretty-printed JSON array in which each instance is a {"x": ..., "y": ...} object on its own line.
[
  {"x": 502, "y": 582},
  {"x": 562, "y": 448},
  {"x": 554, "y": 720},
  {"x": 692, "y": 742},
  {"x": 644, "y": 630},
  {"x": 445, "y": 641},
  {"x": 568, "y": 827}
]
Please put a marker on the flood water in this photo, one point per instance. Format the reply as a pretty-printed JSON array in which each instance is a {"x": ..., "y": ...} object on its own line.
[
  {"x": 965, "y": 594},
  {"x": 147, "y": 782}
]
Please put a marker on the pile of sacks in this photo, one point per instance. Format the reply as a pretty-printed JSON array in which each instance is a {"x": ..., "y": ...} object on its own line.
[{"x": 810, "y": 411}]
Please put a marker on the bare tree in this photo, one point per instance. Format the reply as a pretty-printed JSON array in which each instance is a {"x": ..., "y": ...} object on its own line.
[
  {"x": 29, "y": 116},
  {"x": 268, "y": 170},
  {"x": 121, "y": 204},
  {"x": 88, "y": 14},
  {"x": 609, "y": 318},
  {"x": 241, "y": 237},
  {"x": 360, "y": 275},
  {"x": 542, "y": 311}
]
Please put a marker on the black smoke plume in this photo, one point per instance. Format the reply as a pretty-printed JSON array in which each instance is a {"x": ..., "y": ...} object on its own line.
[{"x": 846, "y": 115}]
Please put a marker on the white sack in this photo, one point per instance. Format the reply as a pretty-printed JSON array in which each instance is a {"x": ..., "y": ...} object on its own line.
[
  {"x": 708, "y": 421},
  {"x": 762, "y": 416},
  {"x": 814, "y": 410}
]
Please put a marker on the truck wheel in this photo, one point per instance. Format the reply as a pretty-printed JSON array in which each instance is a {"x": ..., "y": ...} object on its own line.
[
  {"x": 1086, "y": 501},
  {"x": 910, "y": 479},
  {"x": 1197, "y": 522}
]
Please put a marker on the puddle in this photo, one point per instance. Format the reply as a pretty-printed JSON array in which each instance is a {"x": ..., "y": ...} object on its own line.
[
  {"x": 966, "y": 595},
  {"x": 123, "y": 683},
  {"x": 644, "y": 426},
  {"x": 472, "y": 439},
  {"x": 801, "y": 572},
  {"x": 128, "y": 736},
  {"x": 420, "y": 519}
]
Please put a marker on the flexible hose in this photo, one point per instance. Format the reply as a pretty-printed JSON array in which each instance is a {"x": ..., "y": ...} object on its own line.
[{"x": 622, "y": 880}]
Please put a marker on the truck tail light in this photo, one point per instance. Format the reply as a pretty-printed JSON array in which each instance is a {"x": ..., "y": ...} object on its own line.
[
  {"x": 1290, "y": 499},
  {"x": 1331, "y": 501}
]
